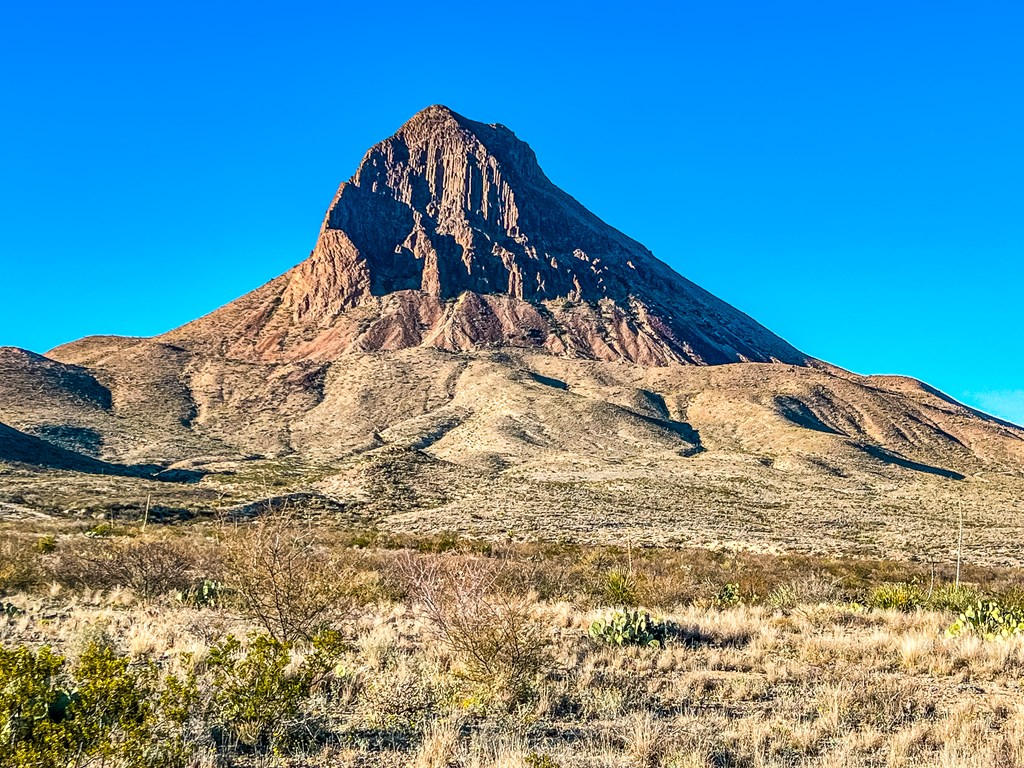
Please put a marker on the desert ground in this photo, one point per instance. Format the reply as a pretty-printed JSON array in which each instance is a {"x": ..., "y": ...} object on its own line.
[{"x": 281, "y": 640}]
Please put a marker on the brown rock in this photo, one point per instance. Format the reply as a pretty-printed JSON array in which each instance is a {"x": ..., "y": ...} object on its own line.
[{"x": 450, "y": 235}]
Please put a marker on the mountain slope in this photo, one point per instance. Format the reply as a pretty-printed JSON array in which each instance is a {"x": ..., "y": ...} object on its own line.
[
  {"x": 450, "y": 235},
  {"x": 467, "y": 348}
]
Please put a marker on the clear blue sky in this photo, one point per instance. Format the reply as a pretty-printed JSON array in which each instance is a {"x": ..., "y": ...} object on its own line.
[{"x": 850, "y": 174}]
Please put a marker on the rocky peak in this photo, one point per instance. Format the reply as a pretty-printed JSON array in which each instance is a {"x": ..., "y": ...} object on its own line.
[
  {"x": 449, "y": 234},
  {"x": 449, "y": 205}
]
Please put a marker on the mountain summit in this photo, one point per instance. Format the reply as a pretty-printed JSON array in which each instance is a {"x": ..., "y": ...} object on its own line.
[{"x": 449, "y": 235}]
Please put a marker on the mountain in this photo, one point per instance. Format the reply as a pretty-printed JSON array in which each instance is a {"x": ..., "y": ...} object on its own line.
[
  {"x": 449, "y": 235},
  {"x": 467, "y": 348}
]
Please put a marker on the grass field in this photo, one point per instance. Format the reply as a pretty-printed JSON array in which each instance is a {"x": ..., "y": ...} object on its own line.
[{"x": 279, "y": 643}]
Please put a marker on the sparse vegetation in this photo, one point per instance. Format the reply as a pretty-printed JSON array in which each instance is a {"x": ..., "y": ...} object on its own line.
[
  {"x": 19, "y": 568},
  {"x": 479, "y": 655},
  {"x": 285, "y": 579},
  {"x": 149, "y": 567},
  {"x": 488, "y": 626}
]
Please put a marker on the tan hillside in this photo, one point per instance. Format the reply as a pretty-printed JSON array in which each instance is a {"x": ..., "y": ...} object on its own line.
[{"x": 468, "y": 349}]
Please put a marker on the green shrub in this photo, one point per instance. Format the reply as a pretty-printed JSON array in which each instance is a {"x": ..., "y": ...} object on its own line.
[
  {"x": 729, "y": 594},
  {"x": 990, "y": 620},
  {"x": 33, "y": 706},
  {"x": 620, "y": 588},
  {"x": 254, "y": 702},
  {"x": 953, "y": 598},
  {"x": 44, "y": 545},
  {"x": 629, "y": 627},
  {"x": 1012, "y": 598},
  {"x": 446, "y": 541},
  {"x": 100, "y": 531},
  {"x": 540, "y": 760},
  {"x": 900, "y": 596},
  {"x": 103, "y": 711}
]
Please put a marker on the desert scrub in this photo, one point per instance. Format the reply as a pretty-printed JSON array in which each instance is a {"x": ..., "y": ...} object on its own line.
[
  {"x": 621, "y": 587},
  {"x": 104, "y": 710},
  {"x": 629, "y": 627},
  {"x": 952, "y": 597},
  {"x": 488, "y": 627},
  {"x": 540, "y": 760},
  {"x": 149, "y": 567},
  {"x": 284, "y": 578},
  {"x": 909, "y": 596},
  {"x": 19, "y": 566},
  {"x": 900, "y": 596},
  {"x": 258, "y": 695}
]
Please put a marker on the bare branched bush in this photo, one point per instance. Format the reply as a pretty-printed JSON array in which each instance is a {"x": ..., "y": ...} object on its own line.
[
  {"x": 488, "y": 626},
  {"x": 148, "y": 567},
  {"x": 284, "y": 579}
]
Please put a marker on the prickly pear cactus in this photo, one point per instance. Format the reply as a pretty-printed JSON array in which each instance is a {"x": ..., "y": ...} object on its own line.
[
  {"x": 629, "y": 627},
  {"x": 205, "y": 593},
  {"x": 990, "y": 620}
]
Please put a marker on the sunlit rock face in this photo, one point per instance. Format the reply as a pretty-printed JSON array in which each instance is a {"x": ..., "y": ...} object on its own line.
[{"x": 449, "y": 235}]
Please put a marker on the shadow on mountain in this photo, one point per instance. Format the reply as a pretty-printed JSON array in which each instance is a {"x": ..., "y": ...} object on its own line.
[
  {"x": 681, "y": 429},
  {"x": 83, "y": 440},
  {"x": 889, "y": 457},
  {"x": 547, "y": 381},
  {"x": 16, "y": 446},
  {"x": 797, "y": 412}
]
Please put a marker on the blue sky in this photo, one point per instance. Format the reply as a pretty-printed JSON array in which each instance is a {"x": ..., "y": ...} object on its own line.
[{"x": 849, "y": 174}]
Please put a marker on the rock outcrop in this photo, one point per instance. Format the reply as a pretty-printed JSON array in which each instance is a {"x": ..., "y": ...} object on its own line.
[{"x": 449, "y": 235}]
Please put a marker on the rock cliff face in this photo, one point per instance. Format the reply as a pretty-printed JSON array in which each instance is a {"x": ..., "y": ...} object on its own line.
[{"x": 449, "y": 235}]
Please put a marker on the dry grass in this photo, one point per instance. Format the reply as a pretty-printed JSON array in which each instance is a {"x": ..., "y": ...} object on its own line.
[{"x": 807, "y": 679}]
